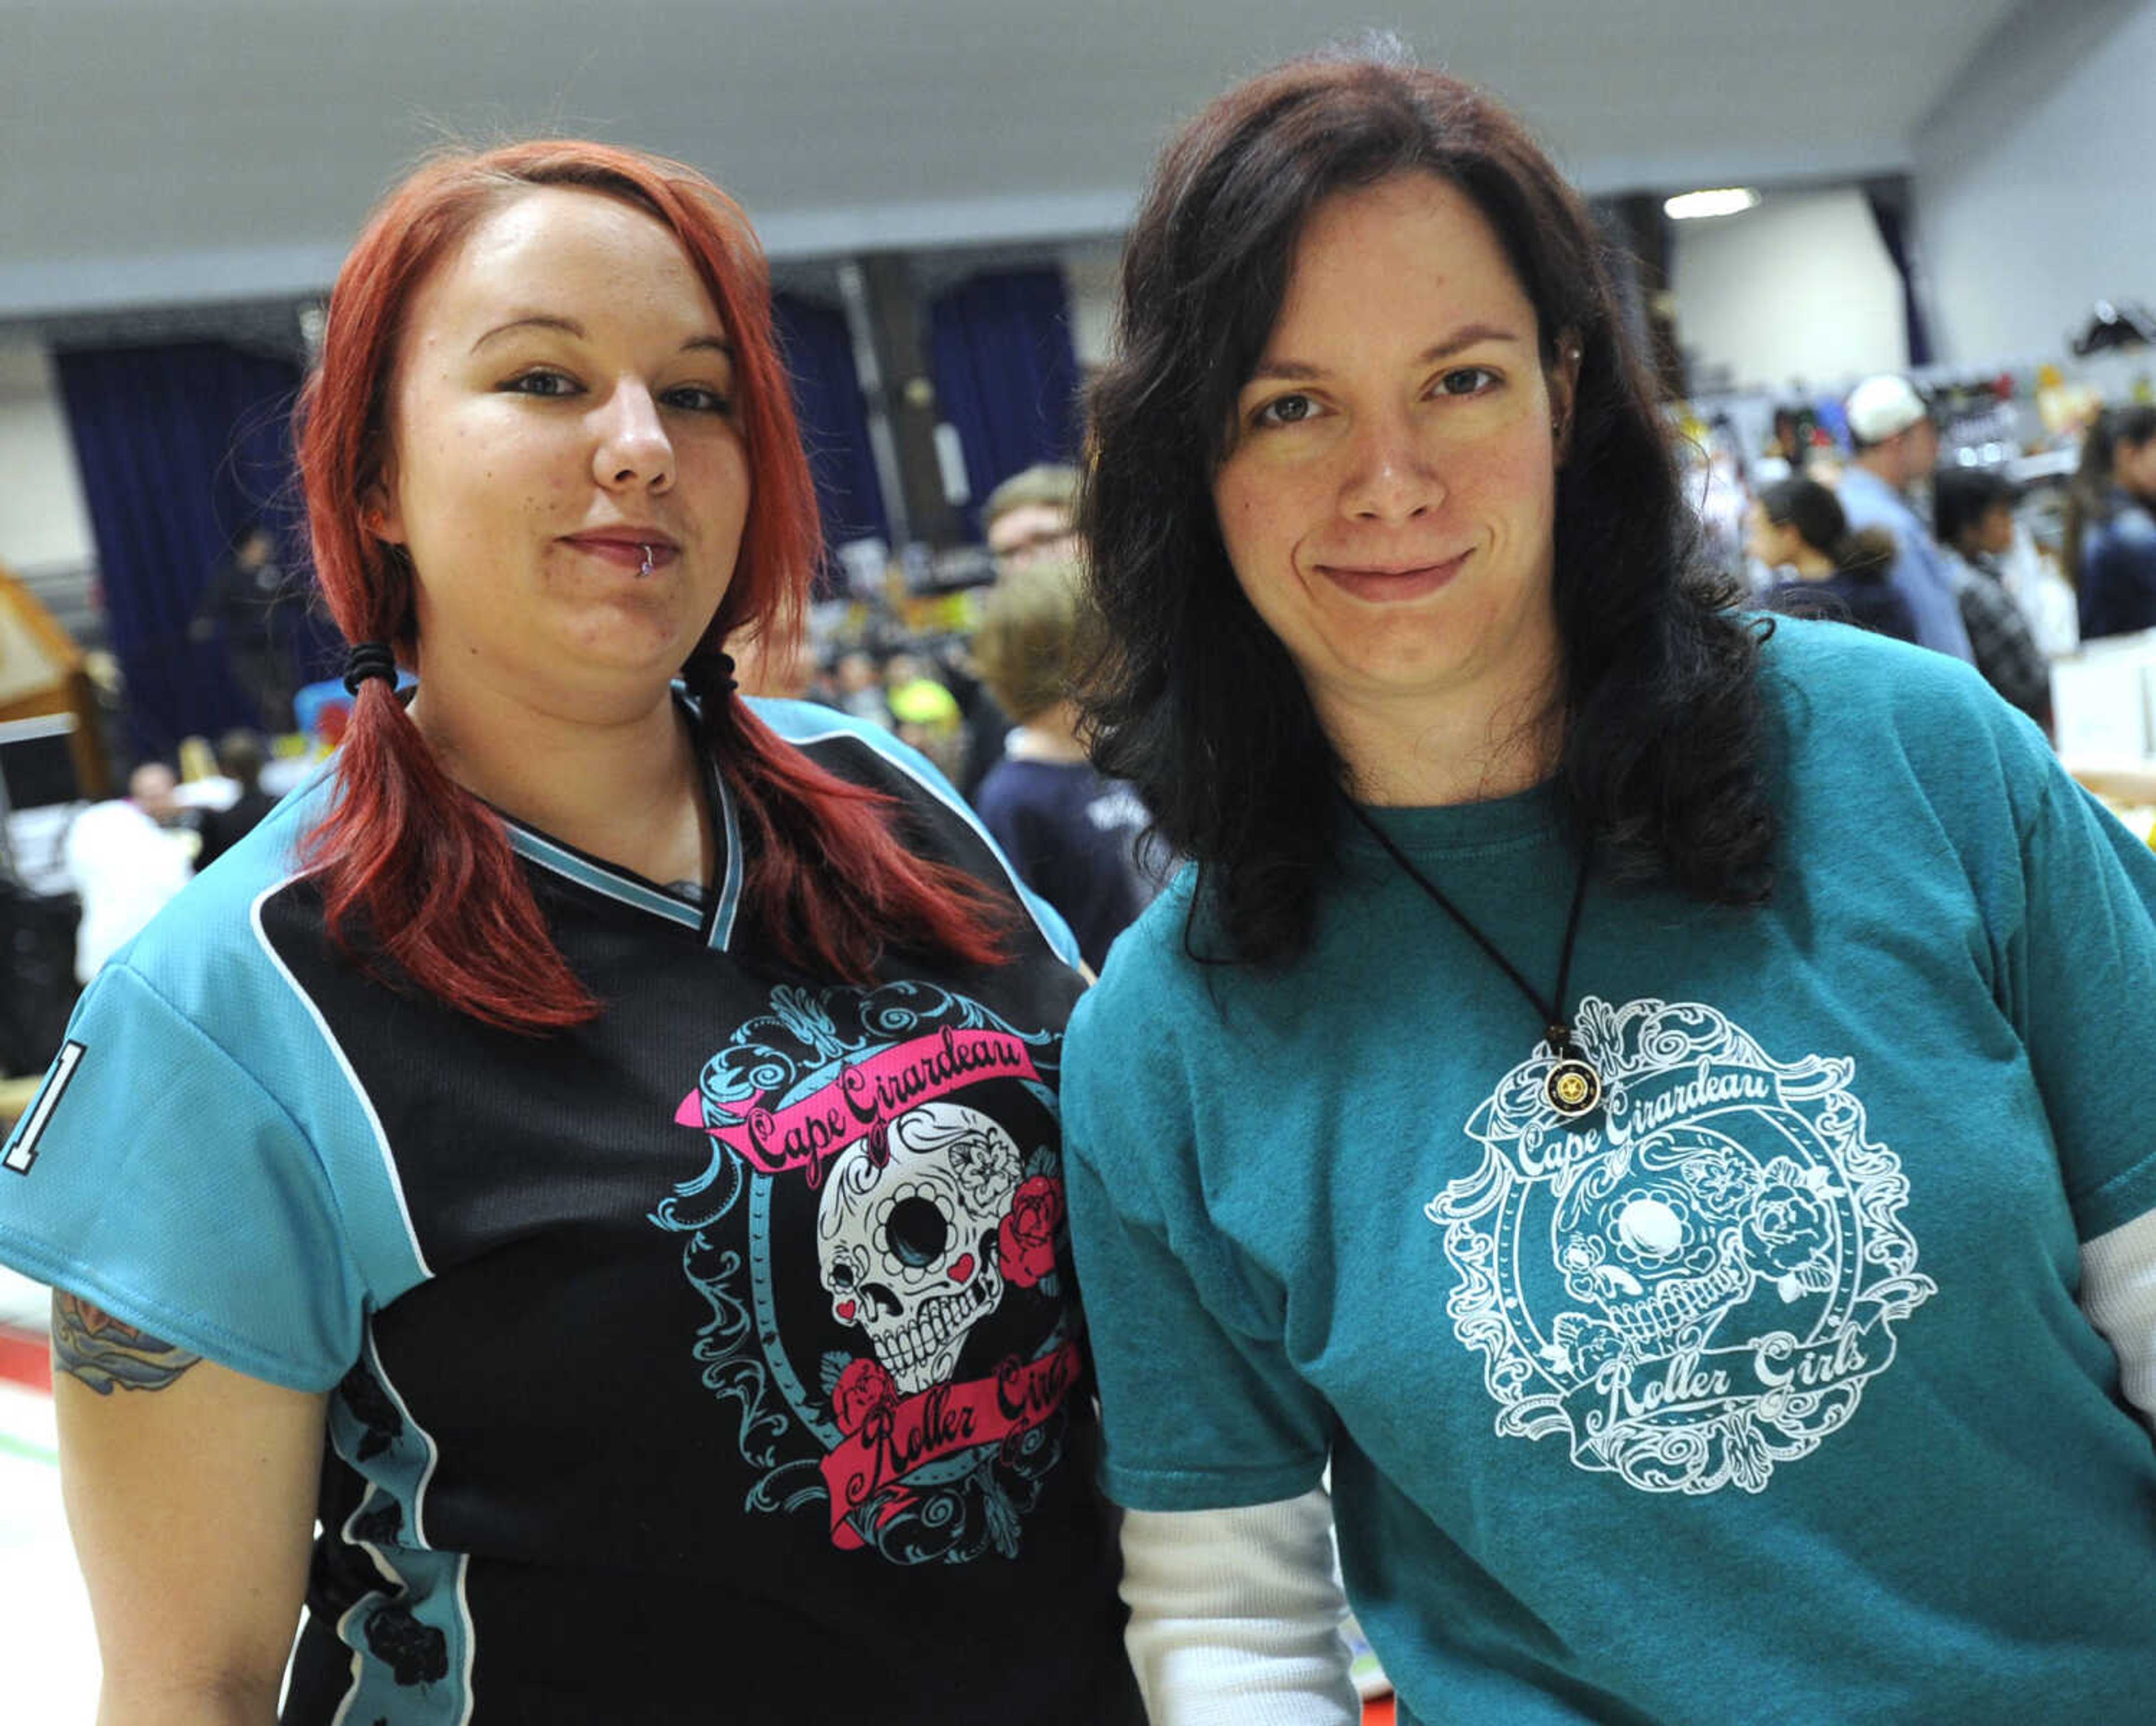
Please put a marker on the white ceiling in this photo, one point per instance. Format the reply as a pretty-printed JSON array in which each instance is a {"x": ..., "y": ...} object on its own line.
[{"x": 163, "y": 151}]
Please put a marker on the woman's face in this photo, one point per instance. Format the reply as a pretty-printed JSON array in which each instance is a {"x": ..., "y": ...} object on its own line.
[
  {"x": 2133, "y": 465},
  {"x": 1388, "y": 499},
  {"x": 566, "y": 470},
  {"x": 1774, "y": 544}
]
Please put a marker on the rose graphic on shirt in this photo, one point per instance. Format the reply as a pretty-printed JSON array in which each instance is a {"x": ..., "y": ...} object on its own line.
[{"x": 1026, "y": 1239}]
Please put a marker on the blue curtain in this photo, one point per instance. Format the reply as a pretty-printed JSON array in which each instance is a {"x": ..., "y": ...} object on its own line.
[
  {"x": 1892, "y": 220},
  {"x": 1006, "y": 374},
  {"x": 180, "y": 446},
  {"x": 834, "y": 424}
]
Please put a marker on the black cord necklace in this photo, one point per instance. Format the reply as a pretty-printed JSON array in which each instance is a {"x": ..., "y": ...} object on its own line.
[{"x": 1572, "y": 1087}]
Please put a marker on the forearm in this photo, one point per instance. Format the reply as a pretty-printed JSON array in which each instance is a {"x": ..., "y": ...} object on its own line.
[
  {"x": 151, "y": 1699},
  {"x": 1236, "y": 1616}
]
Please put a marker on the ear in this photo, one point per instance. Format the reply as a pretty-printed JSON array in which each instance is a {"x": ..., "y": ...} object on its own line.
[
  {"x": 1561, "y": 377},
  {"x": 379, "y": 516}
]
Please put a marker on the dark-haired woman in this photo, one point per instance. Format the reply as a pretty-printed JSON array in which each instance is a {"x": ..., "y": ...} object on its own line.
[
  {"x": 2111, "y": 524},
  {"x": 595, "y": 1151},
  {"x": 1797, "y": 525},
  {"x": 1618, "y": 1083}
]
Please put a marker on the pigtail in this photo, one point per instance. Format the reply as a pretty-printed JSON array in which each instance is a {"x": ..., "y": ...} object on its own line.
[
  {"x": 797, "y": 818},
  {"x": 420, "y": 887}
]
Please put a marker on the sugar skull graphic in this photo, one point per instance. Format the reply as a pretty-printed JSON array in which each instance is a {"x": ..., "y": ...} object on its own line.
[
  {"x": 1695, "y": 1288},
  {"x": 877, "y": 1237},
  {"x": 907, "y": 1235}
]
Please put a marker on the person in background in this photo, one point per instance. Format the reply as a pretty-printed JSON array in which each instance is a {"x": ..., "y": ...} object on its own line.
[
  {"x": 1651, "y": 1094},
  {"x": 1973, "y": 514},
  {"x": 1896, "y": 448},
  {"x": 2111, "y": 524},
  {"x": 859, "y": 687},
  {"x": 128, "y": 859},
  {"x": 925, "y": 713},
  {"x": 1075, "y": 836},
  {"x": 1796, "y": 525},
  {"x": 241, "y": 598},
  {"x": 591, "y": 1152},
  {"x": 239, "y": 758},
  {"x": 782, "y": 670},
  {"x": 1028, "y": 517}
]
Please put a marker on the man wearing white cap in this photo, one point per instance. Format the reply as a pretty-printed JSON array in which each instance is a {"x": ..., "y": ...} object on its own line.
[{"x": 1896, "y": 445}]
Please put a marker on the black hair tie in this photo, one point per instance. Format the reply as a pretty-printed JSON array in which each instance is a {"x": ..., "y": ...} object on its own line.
[
  {"x": 716, "y": 681},
  {"x": 369, "y": 660}
]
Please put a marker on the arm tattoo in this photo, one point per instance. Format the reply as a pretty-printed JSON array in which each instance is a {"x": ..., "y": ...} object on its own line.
[{"x": 91, "y": 1345}]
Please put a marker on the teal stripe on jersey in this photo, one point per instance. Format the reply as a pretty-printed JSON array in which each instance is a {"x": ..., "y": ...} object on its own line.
[
  {"x": 586, "y": 873},
  {"x": 730, "y": 889},
  {"x": 412, "y": 1637}
]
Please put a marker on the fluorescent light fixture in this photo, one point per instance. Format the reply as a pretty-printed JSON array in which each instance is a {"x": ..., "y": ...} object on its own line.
[{"x": 1691, "y": 206}]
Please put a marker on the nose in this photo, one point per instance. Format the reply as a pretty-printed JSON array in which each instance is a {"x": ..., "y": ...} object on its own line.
[
  {"x": 1390, "y": 476},
  {"x": 632, "y": 448}
]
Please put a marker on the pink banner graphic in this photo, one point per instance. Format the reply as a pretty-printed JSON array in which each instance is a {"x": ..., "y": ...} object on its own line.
[
  {"x": 896, "y": 1438},
  {"x": 808, "y": 1133}
]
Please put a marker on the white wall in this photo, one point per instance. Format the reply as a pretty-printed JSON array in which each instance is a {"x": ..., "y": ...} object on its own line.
[
  {"x": 43, "y": 525},
  {"x": 2036, "y": 177},
  {"x": 1799, "y": 288}
]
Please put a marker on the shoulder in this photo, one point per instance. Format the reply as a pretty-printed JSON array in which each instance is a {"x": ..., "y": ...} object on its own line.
[
  {"x": 1150, "y": 978},
  {"x": 1859, "y": 713},
  {"x": 852, "y": 747},
  {"x": 2131, "y": 527}
]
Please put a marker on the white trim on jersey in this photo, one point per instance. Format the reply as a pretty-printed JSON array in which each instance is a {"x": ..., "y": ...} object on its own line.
[{"x": 344, "y": 1066}]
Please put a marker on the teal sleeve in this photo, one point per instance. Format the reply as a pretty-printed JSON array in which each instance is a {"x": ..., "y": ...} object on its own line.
[
  {"x": 2080, "y": 976},
  {"x": 154, "y": 1177},
  {"x": 1201, "y": 1406}
]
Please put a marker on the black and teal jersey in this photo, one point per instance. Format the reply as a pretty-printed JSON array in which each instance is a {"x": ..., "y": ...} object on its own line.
[{"x": 717, "y": 1360}]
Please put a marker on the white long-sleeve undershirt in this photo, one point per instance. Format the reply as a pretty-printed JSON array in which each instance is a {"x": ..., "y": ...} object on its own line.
[
  {"x": 1236, "y": 1616},
  {"x": 2118, "y": 1293}
]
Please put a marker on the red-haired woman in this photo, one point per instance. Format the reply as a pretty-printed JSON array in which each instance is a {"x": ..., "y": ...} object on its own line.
[{"x": 596, "y": 1151}]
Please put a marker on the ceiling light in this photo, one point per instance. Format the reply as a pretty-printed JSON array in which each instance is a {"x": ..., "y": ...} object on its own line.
[{"x": 1690, "y": 206}]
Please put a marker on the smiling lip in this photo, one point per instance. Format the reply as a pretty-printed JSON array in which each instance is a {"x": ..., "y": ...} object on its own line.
[
  {"x": 628, "y": 547},
  {"x": 1382, "y": 584}
]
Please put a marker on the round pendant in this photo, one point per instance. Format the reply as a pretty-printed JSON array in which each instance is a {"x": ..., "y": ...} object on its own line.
[{"x": 1573, "y": 1088}]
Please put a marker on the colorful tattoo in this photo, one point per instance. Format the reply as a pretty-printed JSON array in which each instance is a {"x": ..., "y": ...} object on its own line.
[{"x": 89, "y": 1344}]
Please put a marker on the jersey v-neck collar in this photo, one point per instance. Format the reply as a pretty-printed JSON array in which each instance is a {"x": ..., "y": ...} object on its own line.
[{"x": 713, "y": 920}]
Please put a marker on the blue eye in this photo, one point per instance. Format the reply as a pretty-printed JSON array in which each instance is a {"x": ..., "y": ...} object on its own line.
[{"x": 1284, "y": 410}]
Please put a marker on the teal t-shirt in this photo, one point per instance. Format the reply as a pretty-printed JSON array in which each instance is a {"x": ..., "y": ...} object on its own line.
[{"x": 1762, "y": 1394}]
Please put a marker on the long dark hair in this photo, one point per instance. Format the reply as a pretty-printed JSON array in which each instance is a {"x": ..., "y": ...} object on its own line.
[
  {"x": 2089, "y": 498},
  {"x": 1821, "y": 523},
  {"x": 1195, "y": 701}
]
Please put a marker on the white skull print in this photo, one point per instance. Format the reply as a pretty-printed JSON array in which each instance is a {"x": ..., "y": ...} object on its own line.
[{"x": 906, "y": 1236}]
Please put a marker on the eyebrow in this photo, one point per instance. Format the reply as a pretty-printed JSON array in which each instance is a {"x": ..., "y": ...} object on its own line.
[
  {"x": 1468, "y": 336},
  {"x": 570, "y": 326}
]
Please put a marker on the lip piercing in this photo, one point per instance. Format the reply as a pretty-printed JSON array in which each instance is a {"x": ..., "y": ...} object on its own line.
[{"x": 646, "y": 570}]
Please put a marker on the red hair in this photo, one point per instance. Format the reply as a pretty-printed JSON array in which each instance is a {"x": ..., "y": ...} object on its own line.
[{"x": 410, "y": 864}]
